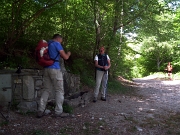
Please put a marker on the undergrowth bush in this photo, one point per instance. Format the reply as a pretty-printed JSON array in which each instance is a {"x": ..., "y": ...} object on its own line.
[
  {"x": 176, "y": 76},
  {"x": 115, "y": 87},
  {"x": 67, "y": 108}
]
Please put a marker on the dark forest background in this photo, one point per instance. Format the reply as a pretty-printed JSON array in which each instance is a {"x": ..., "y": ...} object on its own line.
[{"x": 140, "y": 36}]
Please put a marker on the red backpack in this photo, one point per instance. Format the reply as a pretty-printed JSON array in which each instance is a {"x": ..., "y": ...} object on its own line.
[{"x": 42, "y": 54}]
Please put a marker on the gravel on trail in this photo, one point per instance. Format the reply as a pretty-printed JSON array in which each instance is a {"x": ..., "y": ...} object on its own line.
[{"x": 150, "y": 108}]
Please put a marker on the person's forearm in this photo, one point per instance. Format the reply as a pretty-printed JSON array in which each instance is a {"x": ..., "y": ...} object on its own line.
[
  {"x": 109, "y": 66},
  {"x": 98, "y": 66}
]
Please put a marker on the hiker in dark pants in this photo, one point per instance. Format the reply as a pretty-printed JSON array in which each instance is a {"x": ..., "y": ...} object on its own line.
[{"x": 102, "y": 64}]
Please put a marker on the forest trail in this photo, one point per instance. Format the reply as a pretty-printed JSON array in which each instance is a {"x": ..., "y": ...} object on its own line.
[
  {"x": 165, "y": 93},
  {"x": 151, "y": 107}
]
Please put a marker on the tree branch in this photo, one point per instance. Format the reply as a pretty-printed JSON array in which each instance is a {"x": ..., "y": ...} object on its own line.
[
  {"x": 28, "y": 21},
  {"x": 128, "y": 22}
]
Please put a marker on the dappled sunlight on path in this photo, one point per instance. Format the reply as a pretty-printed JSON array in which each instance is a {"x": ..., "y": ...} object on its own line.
[
  {"x": 150, "y": 107},
  {"x": 164, "y": 94},
  {"x": 174, "y": 82}
]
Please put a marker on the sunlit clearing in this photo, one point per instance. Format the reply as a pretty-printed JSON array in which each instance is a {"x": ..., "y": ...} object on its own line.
[{"x": 175, "y": 82}]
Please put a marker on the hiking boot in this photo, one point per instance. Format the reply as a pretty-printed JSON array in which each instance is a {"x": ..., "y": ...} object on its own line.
[
  {"x": 40, "y": 114},
  {"x": 103, "y": 98},
  {"x": 62, "y": 115},
  {"x": 95, "y": 99}
]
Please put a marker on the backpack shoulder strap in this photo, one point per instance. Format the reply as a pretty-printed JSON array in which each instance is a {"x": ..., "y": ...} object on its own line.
[
  {"x": 106, "y": 54},
  {"x": 56, "y": 55}
]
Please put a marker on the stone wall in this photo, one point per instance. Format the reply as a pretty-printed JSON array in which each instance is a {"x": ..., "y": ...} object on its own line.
[
  {"x": 71, "y": 81},
  {"x": 26, "y": 87},
  {"x": 26, "y": 84},
  {"x": 5, "y": 88},
  {"x": 29, "y": 84}
]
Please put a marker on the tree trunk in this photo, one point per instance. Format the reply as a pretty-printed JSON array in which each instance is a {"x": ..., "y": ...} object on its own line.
[
  {"x": 97, "y": 28},
  {"x": 159, "y": 63}
]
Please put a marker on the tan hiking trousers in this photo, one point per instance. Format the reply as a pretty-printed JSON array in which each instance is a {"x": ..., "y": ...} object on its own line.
[
  {"x": 101, "y": 76},
  {"x": 53, "y": 81}
]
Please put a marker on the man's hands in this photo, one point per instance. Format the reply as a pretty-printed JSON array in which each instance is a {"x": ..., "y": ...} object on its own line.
[
  {"x": 64, "y": 55},
  {"x": 69, "y": 53},
  {"x": 106, "y": 67},
  {"x": 103, "y": 67}
]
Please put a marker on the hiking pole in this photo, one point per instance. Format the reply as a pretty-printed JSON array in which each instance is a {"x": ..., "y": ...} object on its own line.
[
  {"x": 106, "y": 83},
  {"x": 5, "y": 117}
]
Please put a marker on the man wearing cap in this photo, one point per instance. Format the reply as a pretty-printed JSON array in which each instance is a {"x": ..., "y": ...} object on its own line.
[{"x": 102, "y": 64}]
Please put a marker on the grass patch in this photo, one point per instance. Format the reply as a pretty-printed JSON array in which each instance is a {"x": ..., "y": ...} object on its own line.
[
  {"x": 4, "y": 123},
  {"x": 176, "y": 76},
  {"x": 14, "y": 105},
  {"x": 172, "y": 122},
  {"x": 88, "y": 80},
  {"x": 164, "y": 76},
  {"x": 101, "y": 123},
  {"x": 67, "y": 108},
  {"x": 91, "y": 129},
  {"x": 168, "y": 124},
  {"x": 65, "y": 131},
  {"x": 27, "y": 113},
  {"x": 39, "y": 132},
  {"x": 131, "y": 119},
  {"x": 159, "y": 74},
  {"x": 150, "y": 122},
  {"x": 115, "y": 87},
  {"x": 87, "y": 124},
  {"x": 132, "y": 129},
  {"x": 95, "y": 131}
]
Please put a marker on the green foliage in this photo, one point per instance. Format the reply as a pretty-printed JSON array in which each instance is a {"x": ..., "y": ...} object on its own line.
[
  {"x": 83, "y": 68},
  {"x": 88, "y": 80},
  {"x": 155, "y": 53},
  {"x": 14, "y": 105},
  {"x": 86, "y": 25},
  {"x": 123, "y": 63},
  {"x": 4, "y": 123},
  {"x": 176, "y": 76},
  {"x": 67, "y": 109},
  {"x": 78, "y": 66},
  {"x": 13, "y": 62},
  {"x": 39, "y": 132},
  {"x": 164, "y": 76},
  {"x": 27, "y": 113},
  {"x": 115, "y": 87},
  {"x": 158, "y": 42},
  {"x": 139, "y": 70}
]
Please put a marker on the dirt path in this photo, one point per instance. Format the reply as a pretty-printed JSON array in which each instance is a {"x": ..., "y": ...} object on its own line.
[
  {"x": 164, "y": 94},
  {"x": 152, "y": 108}
]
